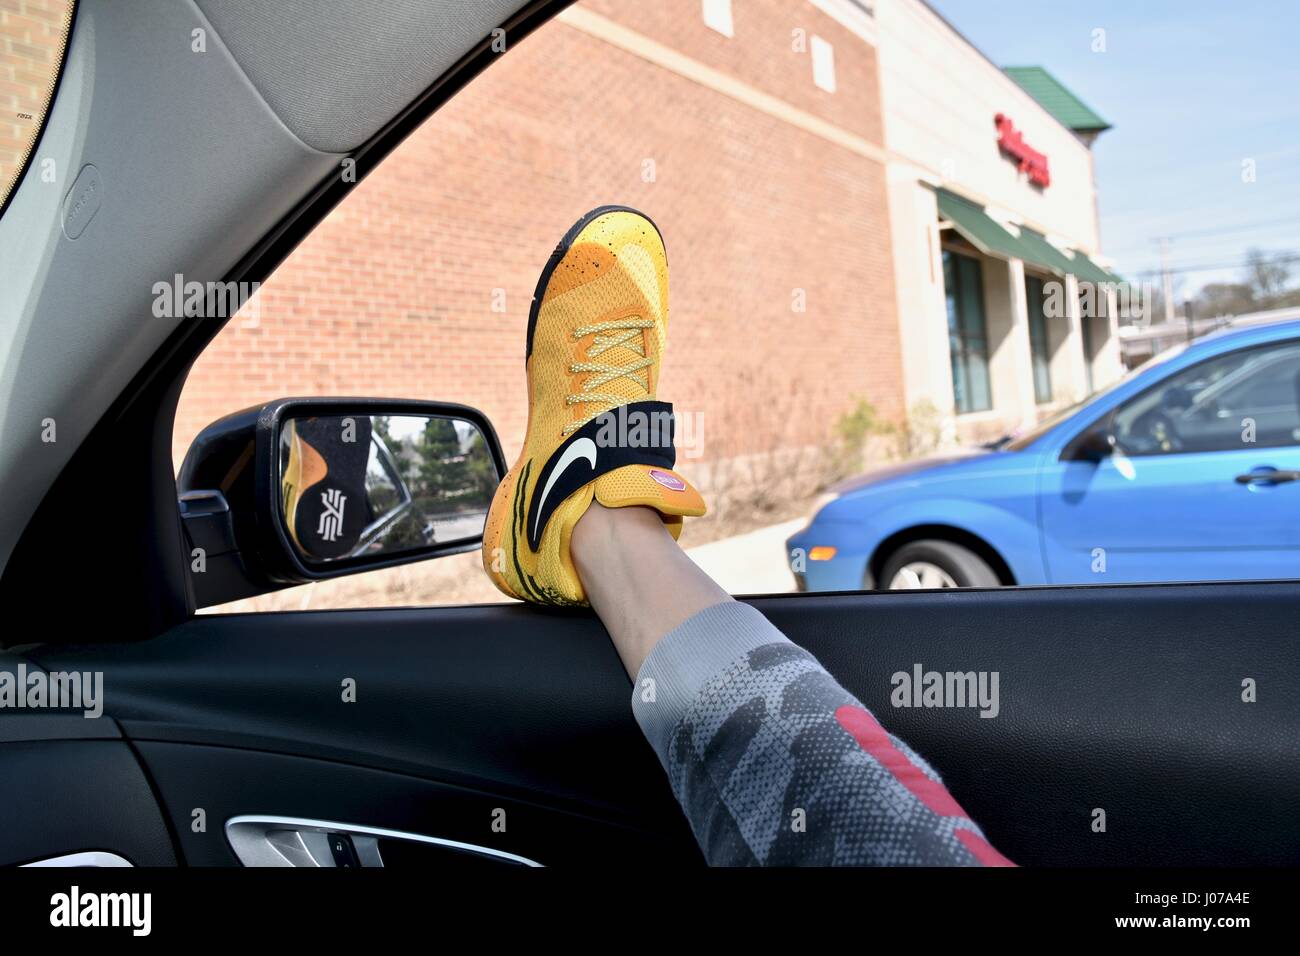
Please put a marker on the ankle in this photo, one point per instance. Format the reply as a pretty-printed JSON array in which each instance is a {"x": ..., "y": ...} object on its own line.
[{"x": 600, "y": 528}]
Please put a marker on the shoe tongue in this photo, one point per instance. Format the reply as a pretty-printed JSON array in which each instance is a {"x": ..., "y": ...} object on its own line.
[{"x": 660, "y": 488}]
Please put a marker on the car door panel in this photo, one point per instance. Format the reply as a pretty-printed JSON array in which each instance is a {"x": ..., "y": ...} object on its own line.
[
  {"x": 70, "y": 784},
  {"x": 229, "y": 782},
  {"x": 1121, "y": 699},
  {"x": 1127, "y": 700},
  {"x": 64, "y": 796},
  {"x": 1178, "y": 517},
  {"x": 497, "y": 696}
]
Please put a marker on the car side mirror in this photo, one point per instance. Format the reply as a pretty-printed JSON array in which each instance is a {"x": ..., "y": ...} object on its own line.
[
  {"x": 300, "y": 490},
  {"x": 1095, "y": 444}
]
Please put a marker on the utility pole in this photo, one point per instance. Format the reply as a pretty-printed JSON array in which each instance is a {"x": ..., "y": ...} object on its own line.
[{"x": 1166, "y": 280}]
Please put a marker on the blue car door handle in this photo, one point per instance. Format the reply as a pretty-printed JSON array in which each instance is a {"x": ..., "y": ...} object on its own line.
[{"x": 1267, "y": 476}]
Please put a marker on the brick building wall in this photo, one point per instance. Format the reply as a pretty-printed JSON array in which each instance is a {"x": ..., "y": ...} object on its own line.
[
  {"x": 31, "y": 35},
  {"x": 763, "y": 185}
]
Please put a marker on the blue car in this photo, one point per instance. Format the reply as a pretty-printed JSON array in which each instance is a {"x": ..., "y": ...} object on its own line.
[{"x": 1185, "y": 470}]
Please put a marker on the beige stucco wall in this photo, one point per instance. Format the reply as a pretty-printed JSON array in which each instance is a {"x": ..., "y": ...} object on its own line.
[{"x": 939, "y": 97}]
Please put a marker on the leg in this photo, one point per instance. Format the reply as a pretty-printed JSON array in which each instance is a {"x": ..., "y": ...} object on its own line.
[
  {"x": 746, "y": 723},
  {"x": 640, "y": 583}
]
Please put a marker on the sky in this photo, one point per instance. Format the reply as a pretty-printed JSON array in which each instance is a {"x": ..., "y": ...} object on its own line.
[{"x": 1193, "y": 89}]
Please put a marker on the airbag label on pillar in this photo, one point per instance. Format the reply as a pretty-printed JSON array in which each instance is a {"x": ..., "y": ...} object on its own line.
[{"x": 82, "y": 201}]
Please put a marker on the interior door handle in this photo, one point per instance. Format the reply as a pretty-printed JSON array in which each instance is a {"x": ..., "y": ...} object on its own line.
[
  {"x": 1267, "y": 477},
  {"x": 294, "y": 841},
  {"x": 84, "y": 858}
]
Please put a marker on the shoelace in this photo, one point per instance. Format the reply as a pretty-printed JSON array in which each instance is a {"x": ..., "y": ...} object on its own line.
[{"x": 602, "y": 373}]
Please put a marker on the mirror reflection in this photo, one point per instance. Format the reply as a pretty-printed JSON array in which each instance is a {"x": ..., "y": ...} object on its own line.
[{"x": 368, "y": 485}]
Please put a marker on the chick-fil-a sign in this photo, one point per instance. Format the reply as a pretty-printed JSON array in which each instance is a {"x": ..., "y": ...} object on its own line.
[{"x": 1012, "y": 142}]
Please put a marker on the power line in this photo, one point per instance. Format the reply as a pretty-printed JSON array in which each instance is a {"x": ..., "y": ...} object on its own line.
[
  {"x": 1292, "y": 220},
  {"x": 1244, "y": 227},
  {"x": 1241, "y": 227},
  {"x": 1206, "y": 253},
  {"x": 1279, "y": 240},
  {"x": 1274, "y": 260}
]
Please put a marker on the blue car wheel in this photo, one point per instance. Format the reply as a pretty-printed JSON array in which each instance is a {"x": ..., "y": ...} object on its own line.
[{"x": 927, "y": 564}]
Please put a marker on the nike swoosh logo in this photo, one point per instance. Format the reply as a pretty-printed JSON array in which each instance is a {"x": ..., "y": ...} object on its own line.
[{"x": 582, "y": 448}]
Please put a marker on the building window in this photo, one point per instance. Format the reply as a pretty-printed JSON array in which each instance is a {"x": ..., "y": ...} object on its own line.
[
  {"x": 823, "y": 60},
  {"x": 717, "y": 16},
  {"x": 1039, "y": 350},
  {"x": 968, "y": 340}
]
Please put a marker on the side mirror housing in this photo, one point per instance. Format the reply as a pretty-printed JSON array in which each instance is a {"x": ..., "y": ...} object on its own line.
[
  {"x": 1094, "y": 444},
  {"x": 305, "y": 489}
]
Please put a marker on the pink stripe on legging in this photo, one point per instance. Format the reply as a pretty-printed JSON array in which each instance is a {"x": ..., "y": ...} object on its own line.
[{"x": 872, "y": 738}]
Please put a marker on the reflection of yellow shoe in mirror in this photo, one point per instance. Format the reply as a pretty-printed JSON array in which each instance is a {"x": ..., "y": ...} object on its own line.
[
  {"x": 596, "y": 336},
  {"x": 323, "y": 483}
]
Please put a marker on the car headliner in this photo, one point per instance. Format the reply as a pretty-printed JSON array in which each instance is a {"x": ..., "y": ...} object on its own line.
[{"x": 192, "y": 167}]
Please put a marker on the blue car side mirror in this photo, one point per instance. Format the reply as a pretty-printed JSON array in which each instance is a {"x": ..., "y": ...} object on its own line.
[{"x": 1095, "y": 444}]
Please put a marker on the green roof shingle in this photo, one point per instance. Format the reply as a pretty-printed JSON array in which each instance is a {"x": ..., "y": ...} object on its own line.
[{"x": 1056, "y": 99}]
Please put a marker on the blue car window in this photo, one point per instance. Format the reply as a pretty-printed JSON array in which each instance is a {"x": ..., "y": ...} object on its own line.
[{"x": 1222, "y": 404}]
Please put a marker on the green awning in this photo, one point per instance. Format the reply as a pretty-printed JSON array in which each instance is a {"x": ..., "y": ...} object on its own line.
[
  {"x": 1089, "y": 271},
  {"x": 1040, "y": 252},
  {"x": 992, "y": 238},
  {"x": 982, "y": 231}
]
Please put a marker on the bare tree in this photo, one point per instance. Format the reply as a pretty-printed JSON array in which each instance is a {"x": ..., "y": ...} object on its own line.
[{"x": 1268, "y": 275}]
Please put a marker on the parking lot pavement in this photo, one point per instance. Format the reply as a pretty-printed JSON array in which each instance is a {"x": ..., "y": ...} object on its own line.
[{"x": 750, "y": 563}]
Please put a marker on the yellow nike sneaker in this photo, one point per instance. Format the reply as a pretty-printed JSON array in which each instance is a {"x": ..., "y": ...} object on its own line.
[{"x": 596, "y": 432}]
